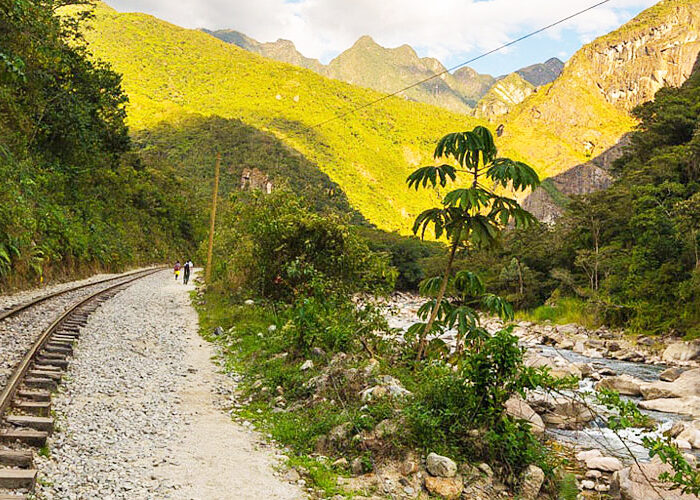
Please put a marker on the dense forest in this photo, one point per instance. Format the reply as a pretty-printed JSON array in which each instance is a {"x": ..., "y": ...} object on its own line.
[
  {"x": 75, "y": 196},
  {"x": 628, "y": 255}
]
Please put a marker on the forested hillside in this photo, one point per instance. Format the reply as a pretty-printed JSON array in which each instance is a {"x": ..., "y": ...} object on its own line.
[
  {"x": 630, "y": 253},
  {"x": 170, "y": 72},
  {"x": 73, "y": 195}
]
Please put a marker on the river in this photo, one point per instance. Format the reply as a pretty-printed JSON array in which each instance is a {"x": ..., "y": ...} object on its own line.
[{"x": 401, "y": 313}]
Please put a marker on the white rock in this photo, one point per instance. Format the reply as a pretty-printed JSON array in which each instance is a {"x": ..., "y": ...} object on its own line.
[
  {"x": 440, "y": 466},
  {"x": 605, "y": 464}
]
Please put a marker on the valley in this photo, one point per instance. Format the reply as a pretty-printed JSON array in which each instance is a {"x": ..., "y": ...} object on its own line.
[{"x": 482, "y": 286}]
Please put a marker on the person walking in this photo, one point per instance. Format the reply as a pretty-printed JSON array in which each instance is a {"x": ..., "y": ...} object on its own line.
[
  {"x": 176, "y": 269},
  {"x": 187, "y": 270}
]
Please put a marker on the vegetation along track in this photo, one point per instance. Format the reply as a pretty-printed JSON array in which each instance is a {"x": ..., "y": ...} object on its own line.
[{"x": 25, "y": 400}]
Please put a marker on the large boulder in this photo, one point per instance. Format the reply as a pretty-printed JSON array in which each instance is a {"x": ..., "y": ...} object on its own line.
[
  {"x": 691, "y": 434},
  {"x": 671, "y": 374},
  {"x": 562, "y": 412},
  {"x": 684, "y": 406},
  {"x": 532, "y": 480},
  {"x": 558, "y": 367},
  {"x": 682, "y": 351},
  {"x": 640, "y": 482},
  {"x": 518, "y": 408},
  {"x": 687, "y": 384},
  {"x": 440, "y": 466},
  {"x": 624, "y": 384}
]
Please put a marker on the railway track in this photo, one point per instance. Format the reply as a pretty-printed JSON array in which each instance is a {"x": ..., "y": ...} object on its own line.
[{"x": 25, "y": 401}]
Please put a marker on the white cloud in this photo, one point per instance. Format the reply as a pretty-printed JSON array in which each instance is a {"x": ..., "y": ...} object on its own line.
[{"x": 440, "y": 28}]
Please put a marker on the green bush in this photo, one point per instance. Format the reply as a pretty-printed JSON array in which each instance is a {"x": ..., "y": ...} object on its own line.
[
  {"x": 461, "y": 411},
  {"x": 272, "y": 246}
]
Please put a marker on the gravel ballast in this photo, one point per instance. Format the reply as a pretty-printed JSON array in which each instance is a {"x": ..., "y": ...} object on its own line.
[
  {"x": 19, "y": 332},
  {"x": 139, "y": 415}
]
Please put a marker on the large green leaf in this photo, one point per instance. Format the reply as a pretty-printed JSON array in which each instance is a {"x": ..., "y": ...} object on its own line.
[
  {"x": 434, "y": 216},
  {"x": 468, "y": 198},
  {"x": 431, "y": 175},
  {"x": 510, "y": 173}
]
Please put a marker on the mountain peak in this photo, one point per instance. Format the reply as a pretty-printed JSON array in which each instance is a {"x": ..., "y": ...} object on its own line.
[{"x": 364, "y": 41}]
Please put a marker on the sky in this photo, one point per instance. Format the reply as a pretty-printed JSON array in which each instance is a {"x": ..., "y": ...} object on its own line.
[{"x": 452, "y": 31}]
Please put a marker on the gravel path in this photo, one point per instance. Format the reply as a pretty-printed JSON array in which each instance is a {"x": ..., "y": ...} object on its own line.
[
  {"x": 18, "y": 333},
  {"x": 139, "y": 413}
]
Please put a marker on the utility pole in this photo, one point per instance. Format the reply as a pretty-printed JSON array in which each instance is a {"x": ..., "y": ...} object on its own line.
[{"x": 207, "y": 272}]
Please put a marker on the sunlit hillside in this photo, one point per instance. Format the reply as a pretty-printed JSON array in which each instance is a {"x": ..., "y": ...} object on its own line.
[{"x": 169, "y": 71}]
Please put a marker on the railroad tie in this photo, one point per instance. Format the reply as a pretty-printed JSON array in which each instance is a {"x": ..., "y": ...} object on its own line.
[
  {"x": 30, "y": 437},
  {"x": 41, "y": 383},
  {"x": 34, "y": 395},
  {"x": 39, "y": 408},
  {"x": 17, "y": 478},
  {"x": 16, "y": 458},
  {"x": 31, "y": 422},
  {"x": 52, "y": 376}
]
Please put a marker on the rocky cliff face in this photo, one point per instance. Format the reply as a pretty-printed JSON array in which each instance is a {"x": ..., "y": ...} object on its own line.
[
  {"x": 548, "y": 202},
  {"x": 543, "y": 73},
  {"x": 590, "y": 103},
  {"x": 657, "y": 49}
]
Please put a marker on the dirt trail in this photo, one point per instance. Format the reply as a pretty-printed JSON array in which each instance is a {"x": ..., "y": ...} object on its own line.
[{"x": 218, "y": 458}]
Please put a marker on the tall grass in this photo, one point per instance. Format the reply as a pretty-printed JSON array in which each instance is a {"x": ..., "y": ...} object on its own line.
[{"x": 565, "y": 310}]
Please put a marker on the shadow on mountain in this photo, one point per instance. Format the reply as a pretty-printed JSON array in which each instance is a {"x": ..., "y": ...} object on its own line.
[{"x": 192, "y": 142}]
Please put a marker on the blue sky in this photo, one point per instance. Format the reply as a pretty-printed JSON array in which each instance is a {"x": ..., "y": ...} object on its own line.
[{"x": 453, "y": 31}]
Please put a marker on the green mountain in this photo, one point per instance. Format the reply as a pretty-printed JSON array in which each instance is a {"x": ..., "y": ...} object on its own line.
[
  {"x": 170, "y": 72},
  {"x": 370, "y": 65},
  {"x": 505, "y": 94},
  {"x": 471, "y": 84},
  {"x": 281, "y": 50}
]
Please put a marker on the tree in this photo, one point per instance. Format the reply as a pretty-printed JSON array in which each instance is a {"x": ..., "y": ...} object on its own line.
[{"x": 470, "y": 216}]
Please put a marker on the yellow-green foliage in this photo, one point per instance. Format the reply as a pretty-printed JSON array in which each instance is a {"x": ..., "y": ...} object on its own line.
[{"x": 169, "y": 71}]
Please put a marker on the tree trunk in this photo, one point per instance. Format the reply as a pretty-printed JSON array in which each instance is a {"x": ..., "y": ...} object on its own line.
[{"x": 438, "y": 301}]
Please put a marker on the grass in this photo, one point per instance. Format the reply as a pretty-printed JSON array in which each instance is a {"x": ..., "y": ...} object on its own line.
[{"x": 566, "y": 310}]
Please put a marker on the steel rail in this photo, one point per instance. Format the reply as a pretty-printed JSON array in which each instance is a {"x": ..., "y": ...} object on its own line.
[
  {"x": 8, "y": 393},
  {"x": 21, "y": 307}
]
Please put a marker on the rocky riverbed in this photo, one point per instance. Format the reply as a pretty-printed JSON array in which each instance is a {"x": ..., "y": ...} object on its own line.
[{"x": 661, "y": 374}]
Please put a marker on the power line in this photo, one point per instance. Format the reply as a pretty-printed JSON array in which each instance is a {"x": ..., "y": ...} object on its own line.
[{"x": 448, "y": 70}]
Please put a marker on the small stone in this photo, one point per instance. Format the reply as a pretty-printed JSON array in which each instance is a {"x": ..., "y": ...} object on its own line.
[
  {"x": 218, "y": 331},
  {"x": 588, "y": 484},
  {"x": 249, "y": 302},
  {"x": 341, "y": 463},
  {"x": 292, "y": 476},
  {"x": 449, "y": 488},
  {"x": 307, "y": 365},
  {"x": 357, "y": 467},
  {"x": 486, "y": 469},
  {"x": 593, "y": 474}
]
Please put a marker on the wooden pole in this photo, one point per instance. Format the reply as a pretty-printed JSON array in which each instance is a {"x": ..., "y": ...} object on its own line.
[{"x": 207, "y": 273}]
